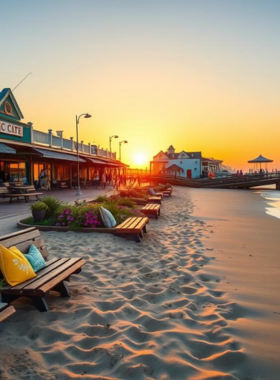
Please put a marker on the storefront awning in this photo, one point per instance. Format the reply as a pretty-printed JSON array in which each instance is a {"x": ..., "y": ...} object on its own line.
[
  {"x": 6, "y": 149},
  {"x": 58, "y": 155},
  {"x": 97, "y": 162}
]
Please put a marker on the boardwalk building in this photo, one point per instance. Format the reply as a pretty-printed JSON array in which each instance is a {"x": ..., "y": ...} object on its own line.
[{"x": 24, "y": 152}]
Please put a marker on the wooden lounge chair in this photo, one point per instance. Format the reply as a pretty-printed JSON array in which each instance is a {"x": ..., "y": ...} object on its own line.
[
  {"x": 6, "y": 311},
  {"x": 51, "y": 277},
  {"x": 167, "y": 192},
  {"x": 133, "y": 226},
  {"x": 154, "y": 193},
  {"x": 155, "y": 199},
  {"x": 151, "y": 209}
]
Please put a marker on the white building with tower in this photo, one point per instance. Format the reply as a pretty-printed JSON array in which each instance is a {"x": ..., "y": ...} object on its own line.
[{"x": 183, "y": 164}]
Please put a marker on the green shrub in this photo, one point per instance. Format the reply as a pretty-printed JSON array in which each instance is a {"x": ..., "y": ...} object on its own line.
[
  {"x": 45, "y": 222},
  {"x": 101, "y": 198},
  {"x": 133, "y": 193},
  {"x": 39, "y": 206},
  {"x": 53, "y": 204},
  {"x": 120, "y": 201},
  {"x": 126, "y": 202}
]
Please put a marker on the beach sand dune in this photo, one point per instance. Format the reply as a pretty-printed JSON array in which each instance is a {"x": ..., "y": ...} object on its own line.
[{"x": 153, "y": 310}]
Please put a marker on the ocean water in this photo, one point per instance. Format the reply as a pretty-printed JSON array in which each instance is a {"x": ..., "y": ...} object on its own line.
[{"x": 272, "y": 198}]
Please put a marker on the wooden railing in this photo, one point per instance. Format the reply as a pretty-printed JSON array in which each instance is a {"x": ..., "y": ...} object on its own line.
[
  {"x": 235, "y": 181},
  {"x": 52, "y": 141}
]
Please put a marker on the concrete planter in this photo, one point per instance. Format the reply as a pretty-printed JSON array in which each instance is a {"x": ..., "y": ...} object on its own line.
[
  {"x": 22, "y": 225},
  {"x": 38, "y": 215}
]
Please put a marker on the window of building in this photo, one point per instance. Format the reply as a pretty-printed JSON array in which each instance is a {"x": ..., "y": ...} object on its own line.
[
  {"x": 13, "y": 171},
  {"x": 61, "y": 172},
  {"x": 37, "y": 168}
]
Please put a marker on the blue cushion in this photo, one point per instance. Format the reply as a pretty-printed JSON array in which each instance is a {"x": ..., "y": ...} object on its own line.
[
  {"x": 107, "y": 218},
  {"x": 35, "y": 258}
]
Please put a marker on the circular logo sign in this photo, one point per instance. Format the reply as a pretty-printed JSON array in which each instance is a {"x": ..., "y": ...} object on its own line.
[{"x": 7, "y": 108}]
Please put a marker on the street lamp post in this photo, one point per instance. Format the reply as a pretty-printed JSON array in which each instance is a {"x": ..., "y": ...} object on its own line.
[
  {"x": 110, "y": 139},
  {"x": 120, "y": 150},
  {"x": 86, "y": 116}
]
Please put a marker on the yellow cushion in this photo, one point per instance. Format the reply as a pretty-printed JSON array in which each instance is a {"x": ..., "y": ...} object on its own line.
[{"x": 14, "y": 266}]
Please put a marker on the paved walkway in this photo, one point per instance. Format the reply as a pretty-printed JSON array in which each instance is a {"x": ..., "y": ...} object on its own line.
[{"x": 11, "y": 213}]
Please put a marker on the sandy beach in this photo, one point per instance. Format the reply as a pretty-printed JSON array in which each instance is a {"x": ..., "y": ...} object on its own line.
[{"x": 197, "y": 299}]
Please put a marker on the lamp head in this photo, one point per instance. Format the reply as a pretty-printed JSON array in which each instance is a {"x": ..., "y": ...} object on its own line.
[
  {"x": 87, "y": 116},
  {"x": 116, "y": 137}
]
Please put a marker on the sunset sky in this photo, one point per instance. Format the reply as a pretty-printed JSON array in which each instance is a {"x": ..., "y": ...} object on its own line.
[{"x": 202, "y": 75}]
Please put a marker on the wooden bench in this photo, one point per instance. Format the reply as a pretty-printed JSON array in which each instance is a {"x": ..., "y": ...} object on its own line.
[
  {"x": 151, "y": 209},
  {"x": 133, "y": 226},
  {"x": 50, "y": 278},
  {"x": 3, "y": 190},
  {"x": 155, "y": 199},
  {"x": 167, "y": 192},
  {"x": 6, "y": 311},
  {"x": 21, "y": 195},
  {"x": 22, "y": 189}
]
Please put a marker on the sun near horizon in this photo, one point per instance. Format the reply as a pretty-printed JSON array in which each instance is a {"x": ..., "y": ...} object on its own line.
[{"x": 140, "y": 159}]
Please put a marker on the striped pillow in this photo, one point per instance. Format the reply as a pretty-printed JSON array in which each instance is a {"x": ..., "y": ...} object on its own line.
[{"x": 107, "y": 218}]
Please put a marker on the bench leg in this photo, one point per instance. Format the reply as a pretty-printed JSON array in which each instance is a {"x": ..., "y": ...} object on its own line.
[
  {"x": 62, "y": 289},
  {"x": 26, "y": 199},
  {"x": 145, "y": 229},
  {"x": 40, "y": 303},
  {"x": 6, "y": 298},
  {"x": 138, "y": 238}
]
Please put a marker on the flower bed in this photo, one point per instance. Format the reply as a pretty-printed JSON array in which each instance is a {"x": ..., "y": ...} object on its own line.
[{"x": 81, "y": 216}]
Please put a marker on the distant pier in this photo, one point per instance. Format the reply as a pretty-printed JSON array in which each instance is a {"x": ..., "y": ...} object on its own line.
[{"x": 234, "y": 182}]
